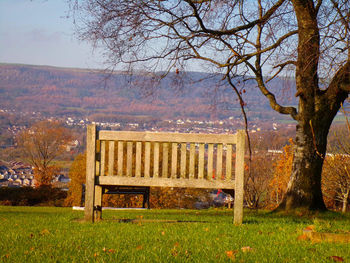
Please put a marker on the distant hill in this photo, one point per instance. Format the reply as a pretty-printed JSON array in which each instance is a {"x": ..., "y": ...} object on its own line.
[{"x": 80, "y": 92}]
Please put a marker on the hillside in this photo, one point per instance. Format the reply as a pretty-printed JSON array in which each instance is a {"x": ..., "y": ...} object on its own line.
[{"x": 80, "y": 92}]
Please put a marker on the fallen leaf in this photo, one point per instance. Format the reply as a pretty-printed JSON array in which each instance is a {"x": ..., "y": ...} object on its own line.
[
  {"x": 337, "y": 259},
  {"x": 311, "y": 228},
  {"x": 231, "y": 254},
  {"x": 44, "y": 232},
  {"x": 302, "y": 237},
  {"x": 299, "y": 213},
  {"x": 246, "y": 249},
  {"x": 174, "y": 252},
  {"x": 139, "y": 247}
]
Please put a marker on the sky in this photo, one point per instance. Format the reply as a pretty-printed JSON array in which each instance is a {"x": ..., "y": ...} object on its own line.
[{"x": 38, "y": 32}]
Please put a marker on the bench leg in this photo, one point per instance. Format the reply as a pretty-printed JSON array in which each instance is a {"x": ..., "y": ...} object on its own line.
[
  {"x": 90, "y": 173},
  {"x": 147, "y": 197},
  {"x": 98, "y": 203},
  {"x": 144, "y": 200}
]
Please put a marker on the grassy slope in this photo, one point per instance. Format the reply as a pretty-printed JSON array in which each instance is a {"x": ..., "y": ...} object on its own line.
[{"x": 38, "y": 234}]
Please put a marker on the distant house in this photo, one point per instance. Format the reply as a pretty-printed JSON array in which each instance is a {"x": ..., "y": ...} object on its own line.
[{"x": 61, "y": 178}]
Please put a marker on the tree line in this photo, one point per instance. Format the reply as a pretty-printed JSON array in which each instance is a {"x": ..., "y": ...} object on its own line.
[{"x": 265, "y": 183}]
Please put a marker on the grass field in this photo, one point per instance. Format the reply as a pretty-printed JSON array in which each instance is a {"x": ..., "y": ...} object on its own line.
[{"x": 48, "y": 234}]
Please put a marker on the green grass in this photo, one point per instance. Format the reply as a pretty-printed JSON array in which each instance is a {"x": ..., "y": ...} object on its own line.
[{"x": 48, "y": 234}]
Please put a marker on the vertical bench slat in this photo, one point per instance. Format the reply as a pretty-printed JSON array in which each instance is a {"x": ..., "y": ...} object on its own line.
[
  {"x": 103, "y": 157},
  {"x": 192, "y": 160},
  {"x": 138, "y": 159},
  {"x": 165, "y": 160},
  {"x": 129, "y": 159},
  {"x": 156, "y": 159},
  {"x": 147, "y": 159},
  {"x": 110, "y": 157},
  {"x": 228, "y": 162},
  {"x": 173, "y": 160},
  {"x": 219, "y": 162},
  {"x": 201, "y": 161},
  {"x": 120, "y": 157},
  {"x": 183, "y": 160},
  {"x": 210, "y": 161},
  {"x": 97, "y": 162}
]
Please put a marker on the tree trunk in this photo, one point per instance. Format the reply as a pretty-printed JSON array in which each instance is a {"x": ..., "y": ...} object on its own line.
[
  {"x": 304, "y": 187},
  {"x": 345, "y": 203}
]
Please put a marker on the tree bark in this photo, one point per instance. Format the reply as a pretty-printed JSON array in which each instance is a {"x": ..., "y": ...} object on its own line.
[
  {"x": 345, "y": 203},
  {"x": 304, "y": 187}
]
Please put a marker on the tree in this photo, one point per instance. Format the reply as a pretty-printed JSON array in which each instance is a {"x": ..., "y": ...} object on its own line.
[
  {"x": 243, "y": 40},
  {"x": 77, "y": 175},
  {"x": 283, "y": 167},
  {"x": 336, "y": 179},
  {"x": 40, "y": 145}
]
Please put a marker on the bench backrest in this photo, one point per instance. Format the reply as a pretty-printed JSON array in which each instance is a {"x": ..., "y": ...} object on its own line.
[{"x": 165, "y": 160}]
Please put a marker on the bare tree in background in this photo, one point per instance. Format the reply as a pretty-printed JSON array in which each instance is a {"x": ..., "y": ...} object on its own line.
[
  {"x": 40, "y": 145},
  {"x": 242, "y": 39}
]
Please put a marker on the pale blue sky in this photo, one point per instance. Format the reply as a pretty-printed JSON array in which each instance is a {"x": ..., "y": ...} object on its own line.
[{"x": 38, "y": 32}]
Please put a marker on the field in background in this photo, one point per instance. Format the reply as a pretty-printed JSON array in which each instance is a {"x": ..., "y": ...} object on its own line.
[{"x": 48, "y": 234}]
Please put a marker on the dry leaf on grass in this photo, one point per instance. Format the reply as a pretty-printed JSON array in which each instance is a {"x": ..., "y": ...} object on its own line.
[
  {"x": 310, "y": 228},
  {"x": 231, "y": 254},
  {"x": 174, "y": 252},
  {"x": 246, "y": 249},
  {"x": 111, "y": 250},
  {"x": 302, "y": 237},
  {"x": 139, "y": 247},
  {"x": 337, "y": 259},
  {"x": 44, "y": 232}
]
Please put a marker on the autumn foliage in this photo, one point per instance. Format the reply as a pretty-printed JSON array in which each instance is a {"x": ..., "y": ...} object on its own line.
[
  {"x": 281, "y": 174},
  {"x": 40, "y": 145},
  {"x": 77, "y": 174},
  {"x": 336, "y": 181}
]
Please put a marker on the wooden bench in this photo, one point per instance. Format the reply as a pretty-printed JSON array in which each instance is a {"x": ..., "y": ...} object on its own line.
[{"x": 151, "y": 159}]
